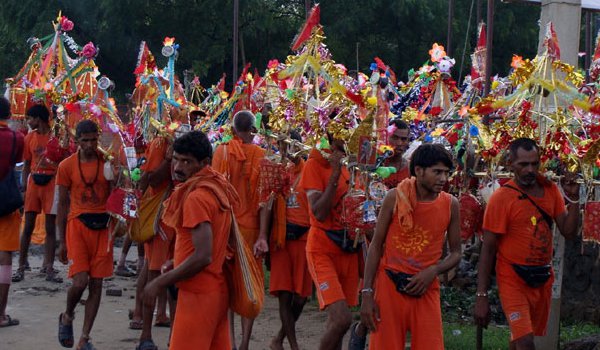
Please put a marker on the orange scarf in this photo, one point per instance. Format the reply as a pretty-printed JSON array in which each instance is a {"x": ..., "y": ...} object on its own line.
[
  {"x": 406, "y": 201},
  {"x": 208, "y": 178}
]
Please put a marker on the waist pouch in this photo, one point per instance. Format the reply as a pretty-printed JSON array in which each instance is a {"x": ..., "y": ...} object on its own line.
[
  {"x": 294, "y": 232},
  {"x": 41, "y": 179},
  {"x": 534, "y": 276},
  {"x": 400, "y": 279},
  {"x": 340, "y": 238},
  {"x": 94, "y": 221}
]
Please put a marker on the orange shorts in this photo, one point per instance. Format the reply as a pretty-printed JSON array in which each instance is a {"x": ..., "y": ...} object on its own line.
[
  {"x": 201, "y": 321},
  {"x": 10, "y": 226},
  {"x": 158, "y": 250},
  {"x": 334, "y": 273},
  {"x": 289, "y": 269},
  {"x": 89, "y": 250},
  {"x": 400, "y": 313},
  {"x": 39, "y": 198},
  {"x": 526, "y": 309}
]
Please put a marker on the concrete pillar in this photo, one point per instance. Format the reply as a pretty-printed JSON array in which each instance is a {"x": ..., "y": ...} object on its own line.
[{"x": 566, "y": 17}]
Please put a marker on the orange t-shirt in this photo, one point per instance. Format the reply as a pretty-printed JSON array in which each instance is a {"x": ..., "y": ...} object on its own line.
[
  {"x": 35, "y": 146},
  {"x": 414, "y": 251},
  {"x": 155, "y": 154},
  {"x": 83, "y": 198},
  {"x": 315, "y": 177},
  {"x": 201, "y": 206},
  {"x": 297, "y": 204},
  {"x": 239, "y": 162},
  {"x": 523, "y": 236}
]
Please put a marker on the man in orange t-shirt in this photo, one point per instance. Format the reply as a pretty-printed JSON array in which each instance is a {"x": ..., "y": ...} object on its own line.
[
  {"x": 239, "y": 161},
  {"x": 401, "y": 291},
  {"x": 517, "y": 232},
  {"x": 199, "y": 209},
  {"x": 290, "y": 280},
  {"x": 82, "y": 223},
  {"x": 38, "y": 185},
  {"x": 11, "y": 144},
  {"x": 333, "y": 270},
  {"x": 156, "y": 183}
]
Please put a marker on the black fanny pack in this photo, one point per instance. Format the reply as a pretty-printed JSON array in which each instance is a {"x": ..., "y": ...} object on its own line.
[
  {"x": 41, "y": 179},
  {"x": 94, "y": 221},
  {"x": 534, "y": 276},
  {"x": 340, "y": 237},
  {"x": 294, "y": 232},
  {"x": 400, "y": 279}
]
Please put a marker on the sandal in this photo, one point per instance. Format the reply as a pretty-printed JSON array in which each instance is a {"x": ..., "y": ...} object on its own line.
[
  {"x": 166, "y": 323},
  {"x": 19, "y": 275},
  {"x": 87, "y": 346},
  {"x": 8, "y": 322},
  {"x": 136, "y": 324},
  {"x": 65, "y": 333},
  {"x": 52, "y": 277},
  {"x": 124, "y": 271},
  {"x": 147, "y": 344}
]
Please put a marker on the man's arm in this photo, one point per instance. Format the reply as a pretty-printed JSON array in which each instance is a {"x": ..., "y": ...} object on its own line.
[
  {"x": 61, "y": 222},
  {"x": 202, "y": 238},
  {"x": 421, "y": 281},
  {"x": 160, "y": 174},
  {"x": 568, "y": 222},
  {"x": 321, "y": 203},
  {"x": 369, "y": 311},
  {"x": 486, "y": 262},
  {"x": 25, "y": 174}
]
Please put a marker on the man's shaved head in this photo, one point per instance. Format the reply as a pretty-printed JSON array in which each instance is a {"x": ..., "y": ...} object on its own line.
[{"x": 243, "y": 121}]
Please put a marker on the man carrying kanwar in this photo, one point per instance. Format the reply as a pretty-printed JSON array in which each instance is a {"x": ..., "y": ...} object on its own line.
[
  {"x": 200, "y": 210},
  {"x": 331, "y": 254},
  {"x": 239, "y": 160},
  {"x": 290, "y": 280},
  {"x": 38, "y": 179},
  {"x": 83, "y": 226},
  {"x": 517, "y": 228},
  {"x": 11, "y": 152},
  {"x": 401, "y": 290}
]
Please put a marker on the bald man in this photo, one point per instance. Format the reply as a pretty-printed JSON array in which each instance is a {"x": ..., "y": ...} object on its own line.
[{"x": 239, "y": 161}]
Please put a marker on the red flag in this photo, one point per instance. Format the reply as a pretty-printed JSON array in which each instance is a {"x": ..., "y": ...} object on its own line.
[
  {"x": 551, "y": 42},
  {"x": 478, "y": 57},
  {"x": 221, "y": 83},
  {"x": 313, "y": 19},
  {"x": 386, "y": 68}
]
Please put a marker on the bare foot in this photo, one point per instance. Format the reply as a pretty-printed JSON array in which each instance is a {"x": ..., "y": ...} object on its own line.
[{"x": 276, "y": 344}]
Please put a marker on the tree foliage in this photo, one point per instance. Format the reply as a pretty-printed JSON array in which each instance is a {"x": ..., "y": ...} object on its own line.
[{"x": 400, "y": 32}]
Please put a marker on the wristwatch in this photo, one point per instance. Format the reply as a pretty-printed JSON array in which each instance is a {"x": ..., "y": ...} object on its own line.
[
  {"x": 481, "y": 294},
  {"x": 367, "y": 290}
]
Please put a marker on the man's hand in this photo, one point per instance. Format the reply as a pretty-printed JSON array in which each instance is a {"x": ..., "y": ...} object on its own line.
[
  {"x": 151, "y": 291},
  {"x": 167, "y": 266},
  {"x": 570, "y": 185},
  {"x": 420, "y": 282},
  {"x": 482, "y": 312},
  {"x": 335, "y": 160},
  {"x": 62, "y": 253},
  {"x": 261, "y": 247},
  {"x": 369, "y": 312}
]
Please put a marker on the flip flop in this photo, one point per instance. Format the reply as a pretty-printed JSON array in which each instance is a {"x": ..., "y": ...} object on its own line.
[
  {"x": 8, "y": 322},
  {"x": 147, "y": 345},
  {"x": 65, "y": 333},
  {"x": 87, "y": 346},
  {"x": 124, "y": 272},
  {"x": 51, "y": 277},
  {"x": 136, "y": 325},
  {"x": 18, "y": 276}
]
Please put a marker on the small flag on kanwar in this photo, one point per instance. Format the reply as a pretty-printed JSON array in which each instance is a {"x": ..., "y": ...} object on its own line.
[
  {"x": 551, "y": 42},
  {"x": 313, "y": 19},
  {"x": 478, "y": 58}
]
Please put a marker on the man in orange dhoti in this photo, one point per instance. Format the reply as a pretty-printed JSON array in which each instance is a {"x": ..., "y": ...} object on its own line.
[
  {"x": 38, "y": 184},
  {"x": 11, "y": 152},
  {"x": 518, "y": 233},
  {"x": 82, "y": 223},
  {"x": 401, "y": 291},
  {"x": 200, "y": 210},
  {"x": 290, "y": 280},
  {"x": 239, "y": 161}
]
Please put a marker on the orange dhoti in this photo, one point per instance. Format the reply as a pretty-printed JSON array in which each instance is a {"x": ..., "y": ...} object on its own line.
[
  {"x": 334, "y": 272},
  {"x": 9, "y": 231},
  {"x": 289, "y": 269},
  {"x": 201, "y": 321},
  {"x": 526, "y": 308},
  {"x": 401, "y": 313},
  {"x": 89, "y": 250}
]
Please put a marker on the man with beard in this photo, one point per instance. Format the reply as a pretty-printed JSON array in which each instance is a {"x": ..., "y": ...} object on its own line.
[
  {"x": 518, "y": 233},
  {"x": 200, "y": 210},
  {"x": 82, "y": 223},
  {"x": 399, "y": 139}
]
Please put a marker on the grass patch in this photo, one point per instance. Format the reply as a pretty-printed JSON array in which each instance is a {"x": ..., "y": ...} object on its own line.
[{"x": 459, "y": 336}]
